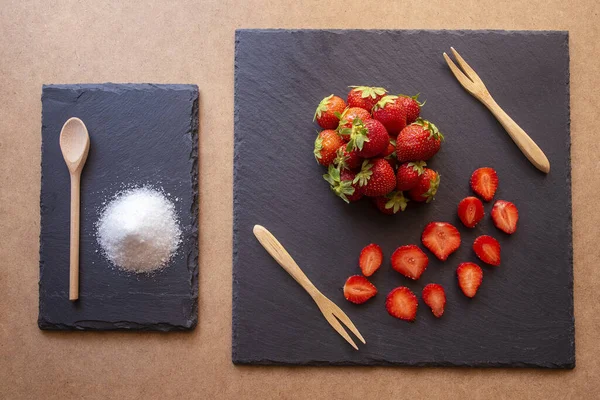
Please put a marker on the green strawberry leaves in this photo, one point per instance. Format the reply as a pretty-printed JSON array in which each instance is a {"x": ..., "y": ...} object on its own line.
[
  {"x": 388, "y": 99},
  {"x": 418, "y": 166},
  {"x": 322, "y": 107},
  {"x": 339, "y": 187},
  {"x": 428, "y": 126},
  {"x": 396, "y": 201},
  {"x": 341, "y": 159},
  {"x": 318, "y": 147},
  {"x": 434, "y": 184},
  {"x": 359, "y": 134},
  {"x": 364, "y": 175},
  {"x": 368, "y": 91}
]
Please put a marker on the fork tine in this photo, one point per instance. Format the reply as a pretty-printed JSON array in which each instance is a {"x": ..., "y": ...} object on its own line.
[
  {"x": 462, "y": 78},
  {"x": 339, "y": 328},
  {"x": 339, "y": 314},
  {"x": 466, "y": 67}
]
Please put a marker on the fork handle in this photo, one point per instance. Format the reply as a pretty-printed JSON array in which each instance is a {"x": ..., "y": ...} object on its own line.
[
  {"x": 531, "y": 150},
  {"x": 283, "y": 258}
]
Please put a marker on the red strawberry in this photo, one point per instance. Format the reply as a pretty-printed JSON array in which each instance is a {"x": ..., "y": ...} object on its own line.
[
  {"x": 408, "y": 175},
  {"x": 411, "y": 106},
  {"x": 365, "y": 96},
  {"x": 349, "y": 114},
  {"x": 441, "y": 238},
  {"x": 327, "y": 110},
  {"x": 368, "y": 137},
  {"x": 342, "y": 184},
  {"x": 376, "y": 178},
  {"x": 402, "y": 303},
  {"x": 418, "y": 141},
  {"x": 435, "y": 297},
  {"x": 487, "y": 249},
  {"x": 427, "y": 186},
  {"x": 410, "y": 261},
  {"x": 370, "y": 259},
  {"x": 391, "y": 203},
  {"x": 505, "y": 216},
  {"x": 470, "y": 211},
  {"x": 470, "y": 276},
  {"x": 347, "y": 160},
  {"x": 484, "y": 182},
  {"x": 391, "y": 114},
  {"x": 358, "y": 289},
  {"x": 326, "y": 145}
]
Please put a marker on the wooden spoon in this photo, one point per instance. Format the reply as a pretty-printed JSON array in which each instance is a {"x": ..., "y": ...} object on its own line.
[{"x": 75, "y": 145}]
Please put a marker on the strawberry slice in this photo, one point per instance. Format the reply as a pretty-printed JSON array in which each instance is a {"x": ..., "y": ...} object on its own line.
[
  {"x": 487, "y": 249},
  {"x": 470, "y": 211},
  {"x": 470, "y": 276},
  {"x": 370, "y": 259},
  {"x": 484, "y": 182},
  {"x": 435, "y": 297},
  {"x": 358, "y": 289},
  {"x": 402, "y": 303},
  {"x": 505, "y": 216},
  {"x": 441, "y": 238},
  {"x": 410, "y": 261}
]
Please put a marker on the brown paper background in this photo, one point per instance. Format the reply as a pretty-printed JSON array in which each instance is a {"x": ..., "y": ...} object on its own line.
[{"x": 193, "y": 42}]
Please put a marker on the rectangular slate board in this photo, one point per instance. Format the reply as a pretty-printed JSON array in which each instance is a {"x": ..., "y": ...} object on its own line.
[
  {"x": 523, "y": 314},
  {"x": 141, "y": 134}
]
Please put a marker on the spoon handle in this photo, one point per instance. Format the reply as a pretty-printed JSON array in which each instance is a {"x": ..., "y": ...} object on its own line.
[{"x": 74, "y": 255}]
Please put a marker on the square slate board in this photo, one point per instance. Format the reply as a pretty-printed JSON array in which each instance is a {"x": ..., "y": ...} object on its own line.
[
  {"x": 141, "y": 134},
  {"x": 523, "y": 314}
]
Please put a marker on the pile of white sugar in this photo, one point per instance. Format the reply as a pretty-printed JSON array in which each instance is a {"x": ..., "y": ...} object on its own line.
[{"x": 139, "y": 231}]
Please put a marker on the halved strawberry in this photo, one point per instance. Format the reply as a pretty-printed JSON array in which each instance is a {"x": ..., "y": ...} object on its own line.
[
  {"x": 470, "y": 211},
  {"x": 470, "y": 276},
  {"x": 484, "y": 182},
  {"x": 402, "y": 303},
  {"x": 487, "y": 249},
  {"x": 327, "y": 110},
  {"x": 391, "y": 203},
  {"x": 505, "y": 216},
  {"x": 365, "y": 96},
  {"x": 435, "y": 297},
  {"x": 370, "y": 259},
  {"x": 358, "y": 289},
  {"x": 441, "y": 238},
  {"x": 410, "y": 261}
]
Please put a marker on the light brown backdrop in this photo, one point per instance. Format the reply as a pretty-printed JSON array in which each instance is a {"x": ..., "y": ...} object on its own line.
[{"x": 193, "y": 42}]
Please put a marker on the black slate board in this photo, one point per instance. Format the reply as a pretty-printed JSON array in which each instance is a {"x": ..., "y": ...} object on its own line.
[
  {"x": 141, "y": 134},
  {"x": 523, "y": 313}
]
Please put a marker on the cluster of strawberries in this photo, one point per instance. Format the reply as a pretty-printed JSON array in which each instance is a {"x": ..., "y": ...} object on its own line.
[
  {"x": 442, "y": 239},
  {"x": 376, "y": 145}
]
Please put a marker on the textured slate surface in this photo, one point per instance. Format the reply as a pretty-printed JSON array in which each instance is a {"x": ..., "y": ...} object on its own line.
[
  {"x": 523, "y": 314},
  {"x": 141, "y": 134}
]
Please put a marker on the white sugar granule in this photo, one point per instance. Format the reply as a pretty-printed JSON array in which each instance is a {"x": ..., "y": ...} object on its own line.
[{"x": 139, "y": 231}]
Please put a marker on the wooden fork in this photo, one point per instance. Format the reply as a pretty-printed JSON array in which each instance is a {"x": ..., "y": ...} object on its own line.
[
  {"x": 473, "y": 84},
  {"x": 331, "y": 312}
]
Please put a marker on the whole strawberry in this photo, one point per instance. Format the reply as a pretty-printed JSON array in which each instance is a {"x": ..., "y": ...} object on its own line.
[
  {"x": 326, "y": 146},
  {"x": 376, "y": 178},
  {"x": 325, "y": 115},
  {"x": 391, "y": 203},
  {"x": 407, "y": 176},
  {"x": 349, "y": 114},
  {"x": 365, "y": 96},
  {"x": 427, "y": 186},
  {"x": 347, "y": 160},
  {"x": 342, "y": 184},
  {"x": 390, "y": 113},
  {"x": 411, "y": 106},
  {"x": 418, "y": 141},
  {"x": 369, "y": 137}
]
